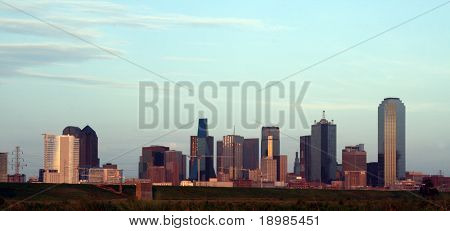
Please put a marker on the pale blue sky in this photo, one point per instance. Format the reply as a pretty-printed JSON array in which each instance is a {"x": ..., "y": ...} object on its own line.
[{"x": 49, "y": 80}]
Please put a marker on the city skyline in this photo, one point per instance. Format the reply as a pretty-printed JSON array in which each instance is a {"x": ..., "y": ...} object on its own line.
[
  {"x": 204, "y": 132},
  {"x": 244, "y": 44}
]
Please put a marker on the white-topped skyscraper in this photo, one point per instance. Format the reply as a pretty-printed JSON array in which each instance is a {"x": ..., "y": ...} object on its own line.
[{"x": 391, "y": 141}]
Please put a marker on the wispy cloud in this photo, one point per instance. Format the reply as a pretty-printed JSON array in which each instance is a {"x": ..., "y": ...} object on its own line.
[
  {"x": 81, "y": 80},
  {"x": 16, "y": 60},
  {"x": 38, "y": 53},
  {"x": 86, "y": 14},
  {"x": 186, "y": 59},
  {"x": 32, "y": 27}
]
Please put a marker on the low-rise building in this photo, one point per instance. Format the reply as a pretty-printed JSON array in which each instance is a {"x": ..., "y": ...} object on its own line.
[{"x": 108, "y": 174}]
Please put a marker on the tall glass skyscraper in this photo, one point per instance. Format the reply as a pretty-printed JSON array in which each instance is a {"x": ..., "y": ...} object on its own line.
[
  {"x": 201, "y": 163},
  {"x": 323, "y": 151},
  {"x": 267, "y": 132},
  {"x": 391, "y": 141},
  {"x": 232, "y": 156}
]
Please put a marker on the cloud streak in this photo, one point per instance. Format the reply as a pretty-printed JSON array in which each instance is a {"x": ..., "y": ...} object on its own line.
[
  {"x": 85, "y": 14},
  {"x": 32, "y": 27},
  {"x": 80, "y": 80},
  {"x": 16, "y": 59}
]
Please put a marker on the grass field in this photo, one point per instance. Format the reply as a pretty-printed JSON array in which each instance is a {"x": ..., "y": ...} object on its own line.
[{"x": 89, "y": 197}]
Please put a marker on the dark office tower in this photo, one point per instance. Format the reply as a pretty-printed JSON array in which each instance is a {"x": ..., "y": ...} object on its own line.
[
  {"x": 151, "y": 164},
  {"x": 323, "y": 147},
  {"x": 251, "y": 154},
  {"x": 281, "y": 167},
  {"x": 73, "y": 131},
  {"x": 90, "y": 160},
  {"x": 306, "y": 160},
  {"x": 41, "y": 175},
  {"x": 297, "y": 165},
  {"x": 372, "y": 174},
  {"x": 391, "y": 141},
  {"x": 183, "y": 167},
  {"x": 193, "y": 162},
  {"x": 88, "y": 148},
  {"x": 202, "y": 154},
  {"x": 267, "y": 132},
  {"x": 219, "y": 162}
]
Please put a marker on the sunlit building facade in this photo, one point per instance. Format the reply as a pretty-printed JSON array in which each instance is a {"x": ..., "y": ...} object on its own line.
[
  {"x": 61, "y": 159},
  {"x": 108, "y": 174},
  {"x": 3, "y": 167},
  {"x": 274, "y": 134},
  {"x": 391, "y": 142},
  {"x": 232, "y": 156}
]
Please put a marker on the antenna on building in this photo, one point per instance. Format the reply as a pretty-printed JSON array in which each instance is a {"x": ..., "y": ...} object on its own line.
[
  {"x": 234, "y": 130},
  {"x": 17, "y": 161},
  {"x": 323, "y": 114}
]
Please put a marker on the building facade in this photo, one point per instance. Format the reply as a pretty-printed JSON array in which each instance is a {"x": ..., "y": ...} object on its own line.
[
  {"x": 274, "y": 133},
  {"x": 88, "y": 148},
  {"x": 151, "y": 162},
  {"x": 61, "y": 159},
  {"x": 3, "y": 167},
  {"x": 232, "y": 157},
  {"x": 173, "y": 162},
  {"x": 323, "y": 151},
  {"x": 281, "y": 167},
  {"x": 268, "y": 170},
  {"x": 108, "y": 174},
  {"x": 297, "y": 165},
  {"x": 201, "y": 163},
  {"x": 354, "y": 166},
  {"x": 372, "y": 174},
  {"x": 251, "y": 154},
  {"x": 391, "y": 142},
  {"x": 307, "y": 161}
]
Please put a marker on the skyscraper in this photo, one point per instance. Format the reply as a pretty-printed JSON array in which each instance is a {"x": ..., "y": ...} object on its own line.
[
  {"x": 3, "y": 166},
  {"x": 251, "y": 154},
  {"x": 323, "y": 147},
  {"x": 391, "y": 141},
  {"x": 296, "y": 165},
  {"x": 151, "y": 163},
  {"x": 90, "y": 158},
  {"x": 281, "y": 167},
  {"x": 232, "y": 156},
  {"x": 201, "y": 162},
  {"x": 372, "y": 174},
  {"x": 306, "y": 170},
  {"x": 268, "y": 169},
  {"x": 219, "y": 165},
  {"x": 354, "y": 166},
  {"x": 88, "y": 148},
  {"x": 173, "y": 161},
  {"x": 61, "y": 159},
  {"x": 274, "y": 133}
]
